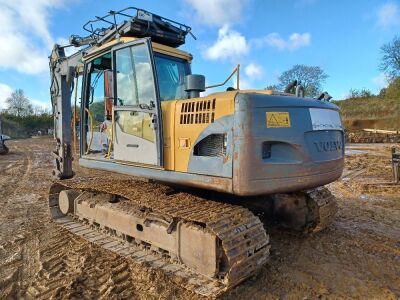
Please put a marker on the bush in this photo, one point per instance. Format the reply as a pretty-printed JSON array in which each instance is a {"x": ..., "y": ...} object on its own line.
[{"x": 25, "y": 126}]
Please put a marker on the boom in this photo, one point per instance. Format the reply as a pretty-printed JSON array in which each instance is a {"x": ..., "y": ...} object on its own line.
[{"x": 62, "y": 71}]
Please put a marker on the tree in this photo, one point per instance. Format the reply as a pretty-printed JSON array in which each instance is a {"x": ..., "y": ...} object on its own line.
[
  {"x": 363, "y": 93},
  {"x": 311, "y": 77},
  {"x": 273, "y": 87},
  {"x": 390, "y": 60},
  {"x": 18, "y": 104},
  {"x": 393, "y": 89}
]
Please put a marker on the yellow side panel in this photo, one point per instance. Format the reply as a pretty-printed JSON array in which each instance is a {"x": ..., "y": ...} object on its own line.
[
  {"x": 168, "y": 115},
  {"x": 192, "y": 116}
]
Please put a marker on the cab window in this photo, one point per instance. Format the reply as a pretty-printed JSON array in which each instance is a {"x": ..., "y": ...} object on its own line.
[
  {"x": 134, "y": 76},
  {"x": 171, "y": 72}
]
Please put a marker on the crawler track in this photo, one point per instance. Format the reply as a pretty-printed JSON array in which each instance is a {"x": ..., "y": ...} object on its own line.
[
  {"x": 322, "y": 209},
  {"x": 308, "y": 211},
  {"x": 241, "y": 234}
]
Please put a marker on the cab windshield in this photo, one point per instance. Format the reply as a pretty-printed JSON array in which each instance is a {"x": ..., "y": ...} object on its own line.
[{"x": 171, "y": 72}]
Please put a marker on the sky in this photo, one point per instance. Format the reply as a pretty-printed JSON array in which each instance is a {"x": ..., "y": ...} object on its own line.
[{"x": 267, "y": 37}]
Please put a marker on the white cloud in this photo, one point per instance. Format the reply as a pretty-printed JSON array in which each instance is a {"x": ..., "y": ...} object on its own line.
[
  {"x": 244, "y": 83},
  {"x": 25, "y": 39},
  {"x": 343, "y": 96},
  {"x": 5, "y": 92},
  {"x": 294, "y": 42},
  {"x": 380, "y": 81},
  {"x": 43, "y": 105},
  {"x": 68, "y": 50},
  {"x": 217, "y": 12},
  {"x": 388, "y": 15},
  {"x": 229, "y": 45},
  {"x": 254, "y": 71}
]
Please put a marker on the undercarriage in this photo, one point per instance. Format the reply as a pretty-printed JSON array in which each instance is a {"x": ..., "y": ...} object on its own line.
[{"x": 210, "y": 243}]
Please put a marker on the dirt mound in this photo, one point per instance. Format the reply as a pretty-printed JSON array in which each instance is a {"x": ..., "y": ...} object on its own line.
[{"x": 361, "y": 136}]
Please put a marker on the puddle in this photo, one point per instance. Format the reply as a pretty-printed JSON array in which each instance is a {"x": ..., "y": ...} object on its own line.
[{"x": 349, "y": 152}]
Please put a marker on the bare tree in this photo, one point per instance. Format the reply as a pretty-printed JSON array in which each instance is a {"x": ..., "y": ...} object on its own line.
[
  {"x": 390, "y": 60},
  {"x": 18, "y": 104},
  {"x": 39, "y": 110},
  {"x": 311, "y": 77}
]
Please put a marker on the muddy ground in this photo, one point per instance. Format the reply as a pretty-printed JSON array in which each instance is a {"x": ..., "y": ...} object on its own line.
[{"x": 358, "y": 256}]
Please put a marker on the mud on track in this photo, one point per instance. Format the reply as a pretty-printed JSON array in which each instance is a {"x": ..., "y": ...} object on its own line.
[{"x": 358, "y": 256}]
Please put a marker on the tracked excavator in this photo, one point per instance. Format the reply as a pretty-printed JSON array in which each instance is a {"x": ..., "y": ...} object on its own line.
[
  {"x": 184, "y": 176},
  {"x": 3, "y": 148}
]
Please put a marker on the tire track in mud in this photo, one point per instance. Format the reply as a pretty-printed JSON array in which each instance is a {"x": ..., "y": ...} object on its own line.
[
  {"x": 71, "y": 268},
  {"x": 11, "y": 250},
  {"x": 27, "y": 249},
  {"x": 18, "y": 246},
  {"x": 48, "y": 262}
]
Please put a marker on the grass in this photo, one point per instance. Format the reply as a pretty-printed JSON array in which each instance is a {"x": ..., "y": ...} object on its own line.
[{"x": 372, "y": 112}]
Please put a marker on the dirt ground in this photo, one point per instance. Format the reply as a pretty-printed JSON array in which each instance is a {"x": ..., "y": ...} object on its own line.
[{"x": 358, "y": 256}]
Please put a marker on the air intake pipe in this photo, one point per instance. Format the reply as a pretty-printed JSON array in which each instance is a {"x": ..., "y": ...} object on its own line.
[
  {"x": 300, "y": 91},
  {"x": 194, "y": 84},
  {"x": 297, "y": 85}
]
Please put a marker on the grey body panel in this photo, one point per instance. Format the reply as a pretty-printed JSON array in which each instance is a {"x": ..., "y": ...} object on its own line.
[
  {"x": 220, "y": 165},
  {"x": 293, "y": 160},
  {"x": 179, "y": 178}
]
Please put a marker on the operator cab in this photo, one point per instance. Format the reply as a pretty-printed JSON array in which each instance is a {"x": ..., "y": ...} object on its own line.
[{"x": 123, "y": 88}]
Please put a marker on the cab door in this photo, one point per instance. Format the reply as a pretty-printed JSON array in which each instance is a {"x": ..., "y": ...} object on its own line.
[{"x": 137, "y": 110}]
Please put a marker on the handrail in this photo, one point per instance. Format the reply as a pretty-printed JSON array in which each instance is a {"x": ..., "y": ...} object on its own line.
[
  {"x": 111, "y": 141},
  {"x": 237, "y": 71},
  {"x": 92, "y": 127}
]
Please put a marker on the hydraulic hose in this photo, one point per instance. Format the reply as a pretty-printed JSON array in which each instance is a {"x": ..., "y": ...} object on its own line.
[{"x": 74, "y": 120}]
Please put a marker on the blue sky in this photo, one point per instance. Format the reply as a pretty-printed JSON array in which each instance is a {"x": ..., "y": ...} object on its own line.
[{"x": 266, "y": 37}]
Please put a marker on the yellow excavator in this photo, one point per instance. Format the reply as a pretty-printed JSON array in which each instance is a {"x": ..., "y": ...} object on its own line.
[{"x": 212, "y": 164}]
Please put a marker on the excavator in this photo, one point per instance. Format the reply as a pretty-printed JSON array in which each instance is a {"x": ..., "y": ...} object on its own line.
[
  {"x": 3, "y": 148},
  {"x": 180, "y": 180}
]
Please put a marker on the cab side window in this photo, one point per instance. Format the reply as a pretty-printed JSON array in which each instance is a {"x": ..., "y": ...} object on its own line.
[{"x": 134, "y": 76}]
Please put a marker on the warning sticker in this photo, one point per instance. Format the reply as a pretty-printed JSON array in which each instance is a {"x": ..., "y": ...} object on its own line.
[{"x": 278, "y": 119}]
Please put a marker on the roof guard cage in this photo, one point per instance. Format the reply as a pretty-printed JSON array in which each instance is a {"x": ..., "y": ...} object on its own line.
[{"x": 139, "y": 23}]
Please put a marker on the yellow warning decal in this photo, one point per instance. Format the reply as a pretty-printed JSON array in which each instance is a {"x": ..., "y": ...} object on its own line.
[{"x": 278, "y": 119}]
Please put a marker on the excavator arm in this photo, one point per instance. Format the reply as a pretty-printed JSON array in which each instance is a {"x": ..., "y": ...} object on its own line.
[{"x": 63, "y": 69}]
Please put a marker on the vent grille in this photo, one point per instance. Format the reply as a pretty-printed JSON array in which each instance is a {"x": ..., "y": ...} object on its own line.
[
  {"x": 198, "y": 112},
  {"x": 212, "y": 145}
]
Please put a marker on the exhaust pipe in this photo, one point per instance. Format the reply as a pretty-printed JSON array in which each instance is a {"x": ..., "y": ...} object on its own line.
[{"x": 290, "y": 86}]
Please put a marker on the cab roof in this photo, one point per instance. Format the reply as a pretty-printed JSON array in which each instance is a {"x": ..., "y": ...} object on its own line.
[{"x": 159, "y": 48}]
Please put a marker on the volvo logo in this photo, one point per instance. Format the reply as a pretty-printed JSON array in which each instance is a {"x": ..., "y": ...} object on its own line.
[{"x": 328, "y": 146}]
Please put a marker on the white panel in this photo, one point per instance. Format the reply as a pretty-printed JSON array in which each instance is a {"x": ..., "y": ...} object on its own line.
[
  {"x": 325, "y": 119},
  {"x": 144, "y": 153}
]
